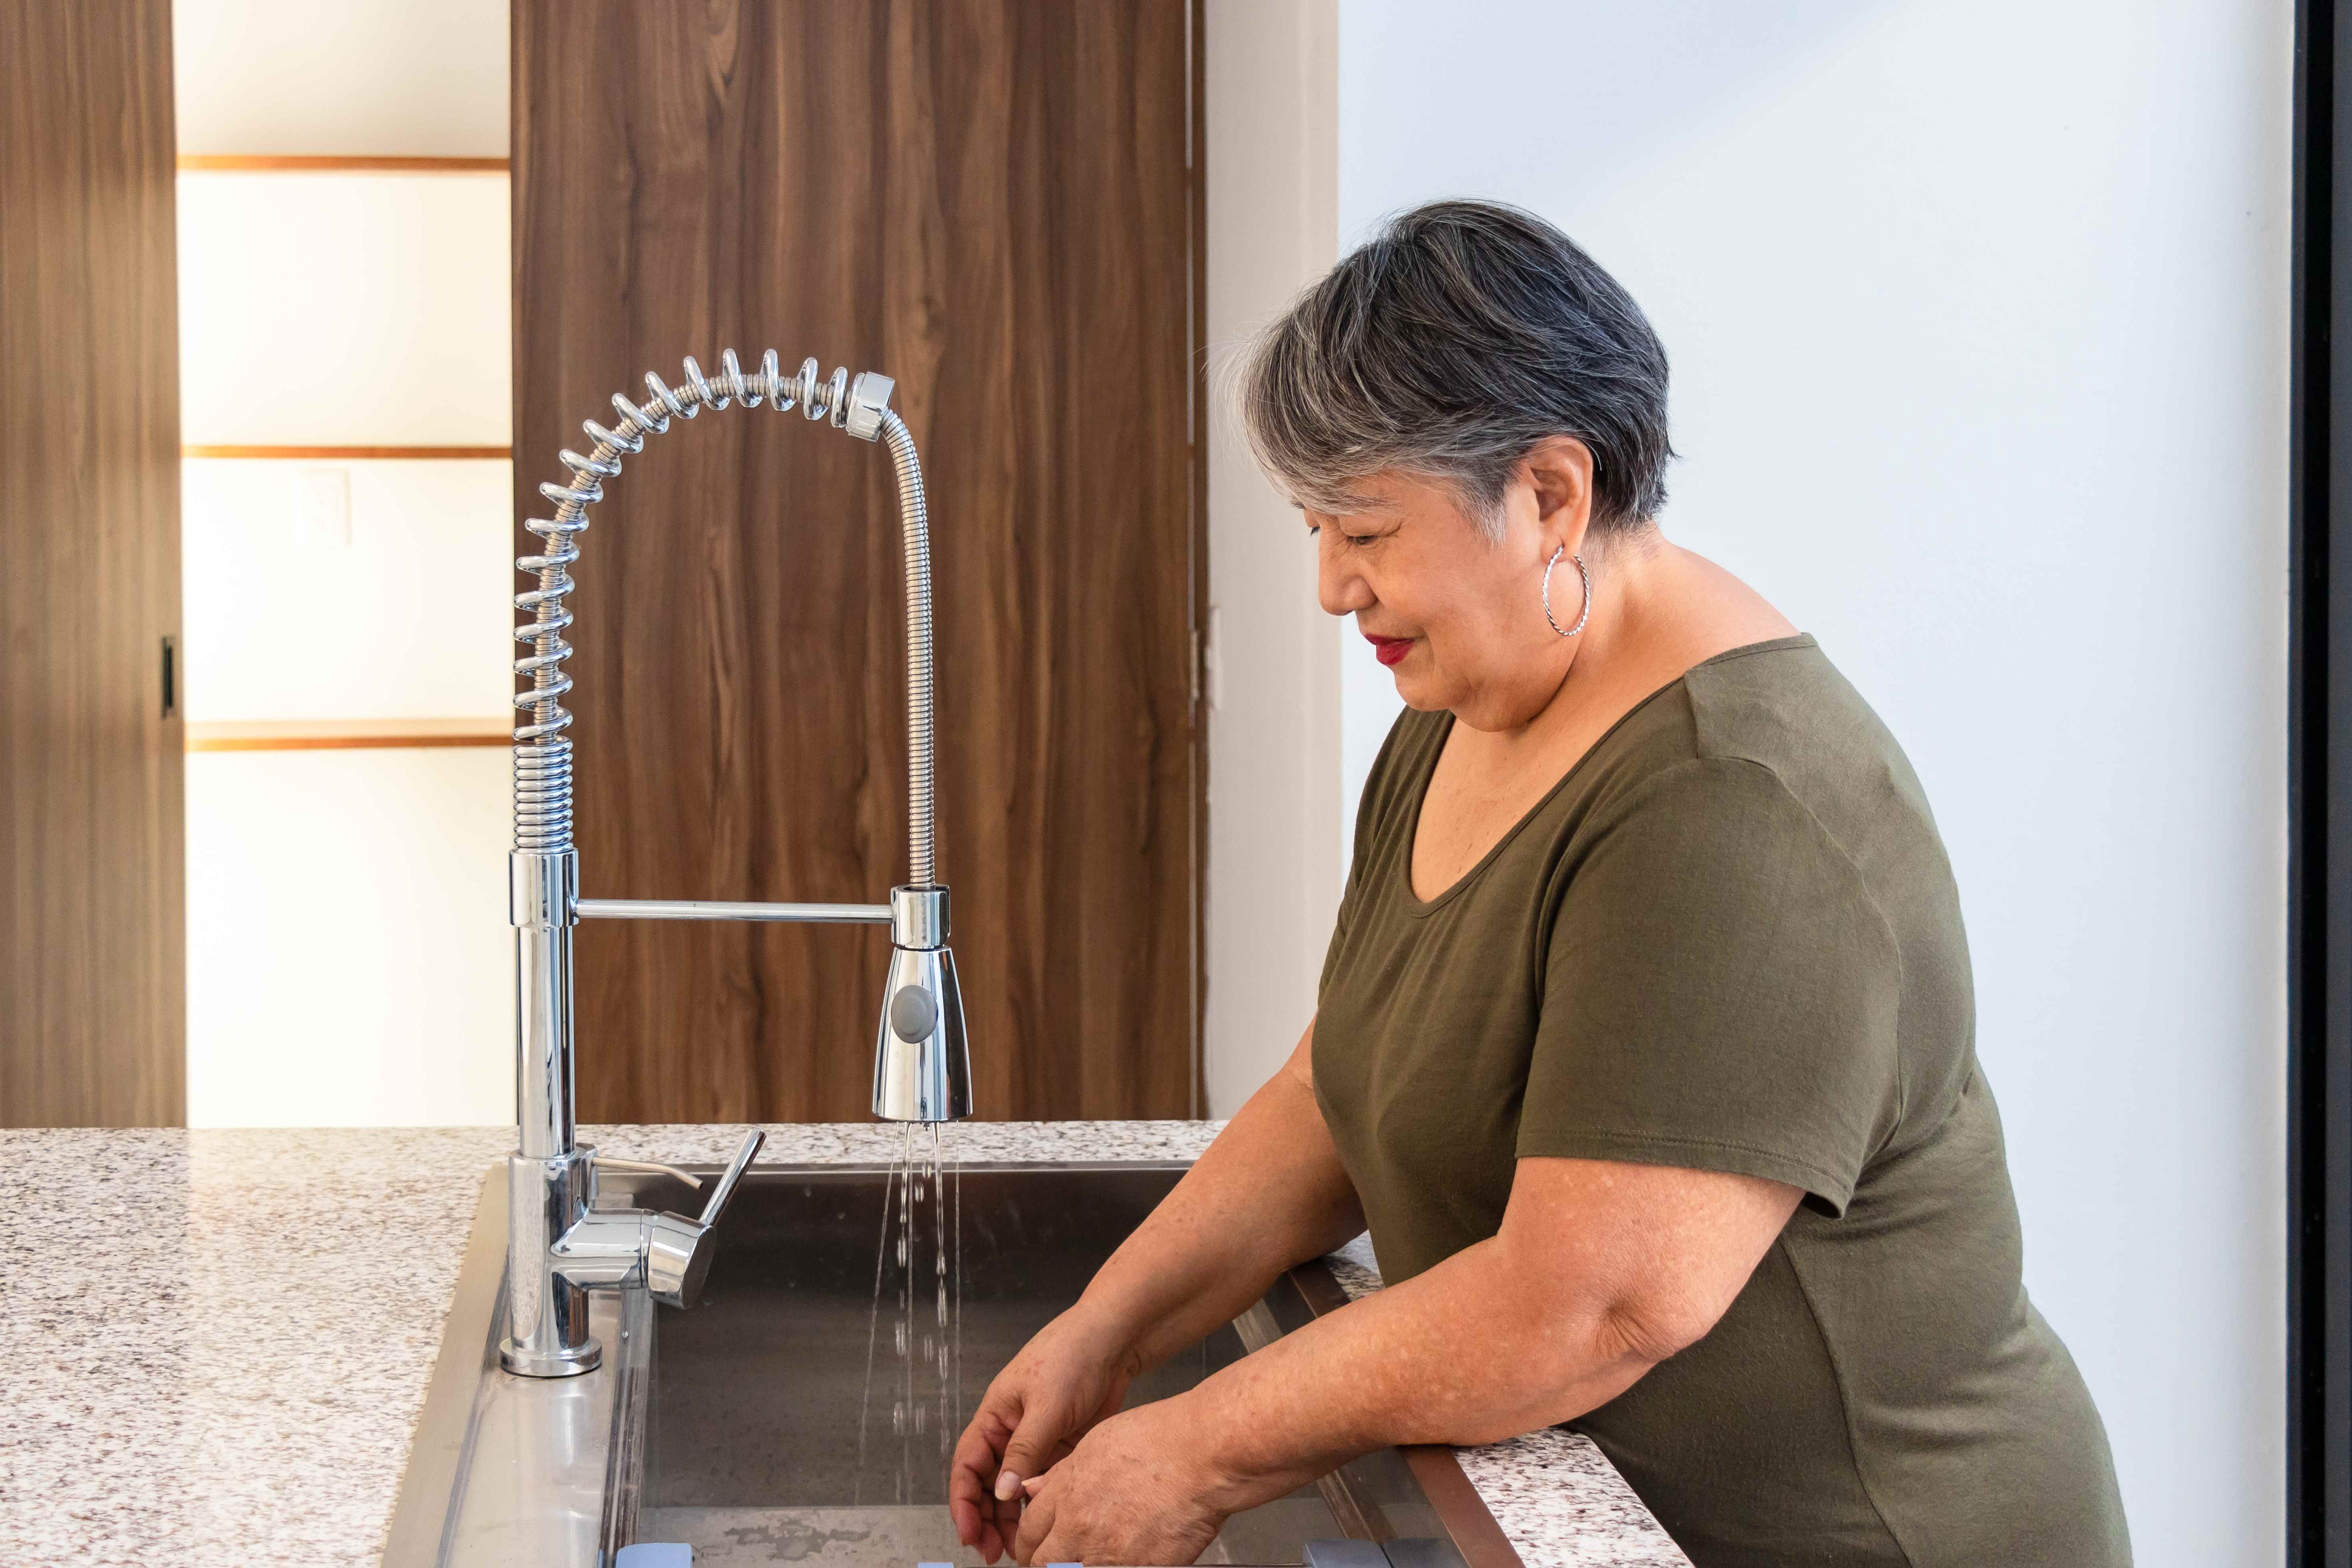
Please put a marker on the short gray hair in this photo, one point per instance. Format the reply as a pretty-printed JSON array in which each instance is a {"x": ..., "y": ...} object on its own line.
[{"x": 1448, "y": 345}]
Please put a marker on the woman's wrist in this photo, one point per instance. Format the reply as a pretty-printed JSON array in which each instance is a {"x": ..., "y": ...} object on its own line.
[
  {"x": 1232, "y": 1466},
  {"x": 1151, "y": 1314},
  {"x": 1106, "y": 1332}
]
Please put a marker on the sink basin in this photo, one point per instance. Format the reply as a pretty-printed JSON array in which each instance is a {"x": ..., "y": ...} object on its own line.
[{"x": 752, "y": 1428}]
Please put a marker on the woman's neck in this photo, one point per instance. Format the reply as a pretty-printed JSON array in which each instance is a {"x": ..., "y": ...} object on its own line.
[{"x": 1658, "y": 610}]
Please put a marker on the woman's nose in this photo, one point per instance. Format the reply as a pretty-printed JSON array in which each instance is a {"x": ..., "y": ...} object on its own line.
[{"x": 1338, "y": 586}]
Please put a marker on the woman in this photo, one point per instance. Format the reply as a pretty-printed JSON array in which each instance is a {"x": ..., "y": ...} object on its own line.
[{"x": 1645, "y": 1043}]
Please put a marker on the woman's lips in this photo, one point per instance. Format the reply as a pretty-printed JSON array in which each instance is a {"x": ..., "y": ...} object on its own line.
[{"x": 1388, "y": 650}]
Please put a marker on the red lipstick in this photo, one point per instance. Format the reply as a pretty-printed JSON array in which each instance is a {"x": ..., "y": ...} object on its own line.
[{"x": 1389, "y": 650}]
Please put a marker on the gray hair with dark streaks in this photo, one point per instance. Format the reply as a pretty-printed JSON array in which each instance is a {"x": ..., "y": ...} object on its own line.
[{"x": 1448, "y": 346}]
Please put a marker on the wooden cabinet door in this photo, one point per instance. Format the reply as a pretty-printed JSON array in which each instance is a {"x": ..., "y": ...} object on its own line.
[
  {"x": 994, "y": 202},
  {"x": 91, "y": 978}
]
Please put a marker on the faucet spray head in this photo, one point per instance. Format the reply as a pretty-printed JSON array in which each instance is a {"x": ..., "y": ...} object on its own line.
[{"x": 922, "y": 1068}]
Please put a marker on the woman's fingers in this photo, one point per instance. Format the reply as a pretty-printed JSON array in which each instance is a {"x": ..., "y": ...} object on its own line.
[
  {"x": 1042, "y": 1437},
  {"x": 1033, "y": 1414},
  {"x": 1036, "y": 1530},
  {"x": 977, "y": 1531},
  {"x": 980, "y": 1520},
  {"x": 971, "y": 1471},
  {"x": 976, "y": 1528},
  {"x": 1007, "y": 1524}
]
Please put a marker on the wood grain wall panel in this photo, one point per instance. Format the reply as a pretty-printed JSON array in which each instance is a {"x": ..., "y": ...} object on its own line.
[
  {"x": 993, "y": 201},
  {"x": 91, "y": 979}
]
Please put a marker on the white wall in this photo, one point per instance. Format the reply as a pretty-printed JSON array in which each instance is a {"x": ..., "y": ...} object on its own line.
[
  {"x": 1977, "y": 316},
  {"x": 1278, "y": 829}
]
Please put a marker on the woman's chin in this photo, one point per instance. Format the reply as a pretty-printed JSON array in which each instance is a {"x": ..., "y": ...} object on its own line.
[{"x": 1418, "y": 689}]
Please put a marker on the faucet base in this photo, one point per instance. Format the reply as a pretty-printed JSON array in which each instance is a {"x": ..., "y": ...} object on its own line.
[
  {"x": 546, "y": 1314},
  {"x": 550, "y": 1363}
]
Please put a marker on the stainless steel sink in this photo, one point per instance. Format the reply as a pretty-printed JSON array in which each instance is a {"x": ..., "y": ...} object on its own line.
[{"x": 736, "y": 1427}]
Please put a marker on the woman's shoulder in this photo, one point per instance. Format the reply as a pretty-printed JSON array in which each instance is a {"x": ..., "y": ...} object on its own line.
[
  {"x": 1784, "y": 707},
  {"x": 1775, "y": 714}
]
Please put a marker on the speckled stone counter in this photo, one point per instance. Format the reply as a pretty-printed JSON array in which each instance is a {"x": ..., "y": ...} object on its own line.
[{"x": 214, "y": 1344}]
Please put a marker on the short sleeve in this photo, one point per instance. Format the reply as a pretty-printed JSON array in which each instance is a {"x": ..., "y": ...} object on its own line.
[{"x": 1720, "y": 992}]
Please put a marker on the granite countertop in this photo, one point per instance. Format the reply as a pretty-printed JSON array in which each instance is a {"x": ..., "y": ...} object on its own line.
[{"x": 217, "y": 1343}]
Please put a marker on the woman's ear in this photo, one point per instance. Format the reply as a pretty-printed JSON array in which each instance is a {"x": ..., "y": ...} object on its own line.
[{"x": 1559, "y": 470}]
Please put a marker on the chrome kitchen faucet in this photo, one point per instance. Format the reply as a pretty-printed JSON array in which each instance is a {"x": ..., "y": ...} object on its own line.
[{"x": 560, "y": 1245}]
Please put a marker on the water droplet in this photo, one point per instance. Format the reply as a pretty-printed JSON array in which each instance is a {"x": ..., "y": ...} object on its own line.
[
  {"x": 902, "y": 1252},
  {"x": 921, "y": 1424},
  {"x": 898, "y": 1416},
  {"x": 930, "y": 1347},
  {"x": 899, "y": 1335}
]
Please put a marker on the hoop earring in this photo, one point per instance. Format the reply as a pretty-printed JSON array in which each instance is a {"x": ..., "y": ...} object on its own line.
[{"x": 1582, "y": 615}]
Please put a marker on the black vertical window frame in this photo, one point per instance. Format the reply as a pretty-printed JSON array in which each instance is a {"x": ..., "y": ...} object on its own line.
[{"x": 2319, "y": 809}]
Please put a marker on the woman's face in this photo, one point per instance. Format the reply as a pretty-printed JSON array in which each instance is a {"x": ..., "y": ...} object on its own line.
[{"x": 1455, "y": 615}]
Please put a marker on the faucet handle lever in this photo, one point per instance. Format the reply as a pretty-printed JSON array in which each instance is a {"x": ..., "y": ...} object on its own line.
[
  {"x": 716, "y": 1205},
  {"x": 677, "y": 1250}
]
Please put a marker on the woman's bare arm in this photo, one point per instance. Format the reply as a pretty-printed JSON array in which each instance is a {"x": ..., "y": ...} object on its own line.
[
  {"x": 1601, "y": 1270},
  {"x": 1269, "y": 1193}
]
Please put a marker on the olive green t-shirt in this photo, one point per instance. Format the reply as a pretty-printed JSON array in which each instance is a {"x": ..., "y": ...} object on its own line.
[{"x": 1729, "y": 940}]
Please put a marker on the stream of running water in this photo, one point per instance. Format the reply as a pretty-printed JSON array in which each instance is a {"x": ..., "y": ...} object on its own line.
[{"x": 922, "y": 1203}]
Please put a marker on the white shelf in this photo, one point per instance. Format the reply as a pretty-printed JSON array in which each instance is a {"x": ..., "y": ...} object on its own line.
[
  {"x": 345, "y": 735},
  {"x": 344, "y": 309}
]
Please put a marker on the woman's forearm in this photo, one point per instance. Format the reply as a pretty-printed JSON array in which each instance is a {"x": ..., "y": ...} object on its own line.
[
  {"x": 1468, "y": 1353},
  {"x": 1270, "y": 1192},
  {"x": 1598, "y": 1272}
]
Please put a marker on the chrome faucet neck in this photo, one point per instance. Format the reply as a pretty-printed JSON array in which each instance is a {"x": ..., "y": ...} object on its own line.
[{"x": 560, "y": 1246}]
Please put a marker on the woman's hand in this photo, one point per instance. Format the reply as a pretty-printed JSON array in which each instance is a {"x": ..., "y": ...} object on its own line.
[
  {"x": 1072, "y": 1376},
  {"x": 1269, "y": 1191},
  {"x": 1136, "y": 1489}
]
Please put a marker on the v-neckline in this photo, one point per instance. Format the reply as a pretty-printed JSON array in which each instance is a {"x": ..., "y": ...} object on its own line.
[{"x": 1421, "y": 908}]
